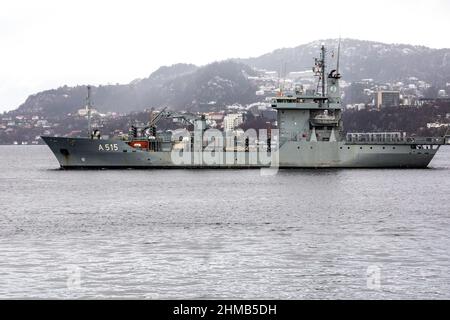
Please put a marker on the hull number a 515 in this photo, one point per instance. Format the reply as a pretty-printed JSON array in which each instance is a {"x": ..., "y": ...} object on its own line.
[{"x": 108, "y": 147}]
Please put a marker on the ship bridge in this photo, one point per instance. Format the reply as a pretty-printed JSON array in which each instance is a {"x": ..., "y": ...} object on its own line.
[
  {"x": 311, "y": 115},
  {"x": 303, "y": 102}
]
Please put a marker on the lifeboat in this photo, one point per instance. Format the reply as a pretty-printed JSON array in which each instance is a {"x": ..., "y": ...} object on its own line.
[{"x": 139, "y": 144}]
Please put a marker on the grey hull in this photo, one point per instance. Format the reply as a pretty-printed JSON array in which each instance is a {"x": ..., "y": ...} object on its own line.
[{"x": 73, "y": 153}]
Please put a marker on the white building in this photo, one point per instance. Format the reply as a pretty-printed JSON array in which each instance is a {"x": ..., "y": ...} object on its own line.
[
  {"x": 84, "y": 112},
  {"x": 437, "y": 125},
  {"x": 356, "y": 106},
  {"x": 232, "y": 120}
]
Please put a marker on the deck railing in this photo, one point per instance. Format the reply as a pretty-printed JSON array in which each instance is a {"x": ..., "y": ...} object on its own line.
[{"x": 390, "y": 138}]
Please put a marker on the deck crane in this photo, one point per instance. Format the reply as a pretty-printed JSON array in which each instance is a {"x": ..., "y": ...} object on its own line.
[{"x": 186, "y": 118}]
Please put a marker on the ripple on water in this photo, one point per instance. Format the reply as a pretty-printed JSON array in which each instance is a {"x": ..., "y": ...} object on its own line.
[{"x": 221, "y": 234}]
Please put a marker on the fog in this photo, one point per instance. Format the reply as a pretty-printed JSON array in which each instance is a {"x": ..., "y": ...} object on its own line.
[{"x": 46, "y": 44}]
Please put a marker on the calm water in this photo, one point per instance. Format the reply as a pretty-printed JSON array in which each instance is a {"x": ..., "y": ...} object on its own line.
[{"x": 222, "y": 233}]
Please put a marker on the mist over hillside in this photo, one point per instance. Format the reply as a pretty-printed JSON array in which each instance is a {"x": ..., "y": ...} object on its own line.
[
  {"x": 216, "y": 85},
  {"x": 363, "y": 59},
  {"x": 181, "y": 86}
]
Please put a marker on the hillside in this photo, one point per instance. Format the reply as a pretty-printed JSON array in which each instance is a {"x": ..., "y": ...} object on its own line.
[
  {"x": 364, "y": 59},
  {"x": 188, "y": 87},
  {"x": 412, "y": 120},
  {"x": 181, "y": 86}
]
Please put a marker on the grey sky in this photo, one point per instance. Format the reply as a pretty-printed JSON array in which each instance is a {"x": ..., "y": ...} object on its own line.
[{"x": 47, "y": 43}]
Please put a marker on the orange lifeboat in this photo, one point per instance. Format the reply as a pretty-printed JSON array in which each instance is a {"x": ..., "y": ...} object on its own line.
[{"x": 139, "y": 144}]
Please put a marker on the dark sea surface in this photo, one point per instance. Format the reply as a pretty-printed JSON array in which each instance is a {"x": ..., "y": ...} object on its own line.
[{"x": 301, "y": 234}]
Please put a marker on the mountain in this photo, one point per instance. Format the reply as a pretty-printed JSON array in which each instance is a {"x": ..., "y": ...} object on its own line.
[
  {"x": 189, "y": 87},
  {"x": 180, "y": 86},
  {"x": 217, "y": 84},
  {"x": 363, "y": 59}
]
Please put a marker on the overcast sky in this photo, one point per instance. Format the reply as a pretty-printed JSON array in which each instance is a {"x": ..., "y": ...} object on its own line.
[{"x": 46, "y": 44}]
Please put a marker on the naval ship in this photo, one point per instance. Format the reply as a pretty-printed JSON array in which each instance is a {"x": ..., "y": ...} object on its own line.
[{"x": 309, "y": 134}]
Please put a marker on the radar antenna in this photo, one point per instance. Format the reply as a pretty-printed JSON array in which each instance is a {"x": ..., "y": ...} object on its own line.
[{"x": 335, "y": 72}]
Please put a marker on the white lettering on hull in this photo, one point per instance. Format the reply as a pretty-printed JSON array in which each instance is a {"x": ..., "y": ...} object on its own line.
[{"x": 108, "y": 147}]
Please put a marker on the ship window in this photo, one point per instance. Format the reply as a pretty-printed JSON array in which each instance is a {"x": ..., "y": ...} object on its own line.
[
  {"x": 340, "y": 148},
  {"x": 371, "y": 148},
  {"x": 384, "y": 148},
  {"x": 360, "y": 148},
  {"x": 393, "y": 147},
  {"x": 125, "y": 151},
  {"x": 348, "y": 148}
]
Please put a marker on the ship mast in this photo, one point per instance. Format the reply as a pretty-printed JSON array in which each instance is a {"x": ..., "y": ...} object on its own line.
[
  {"x": 338, "y": 56},
  {"x": 88, "y": 107},
  {"x": 319, "y": 70},
  {"x": 322, "y": 58}
]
